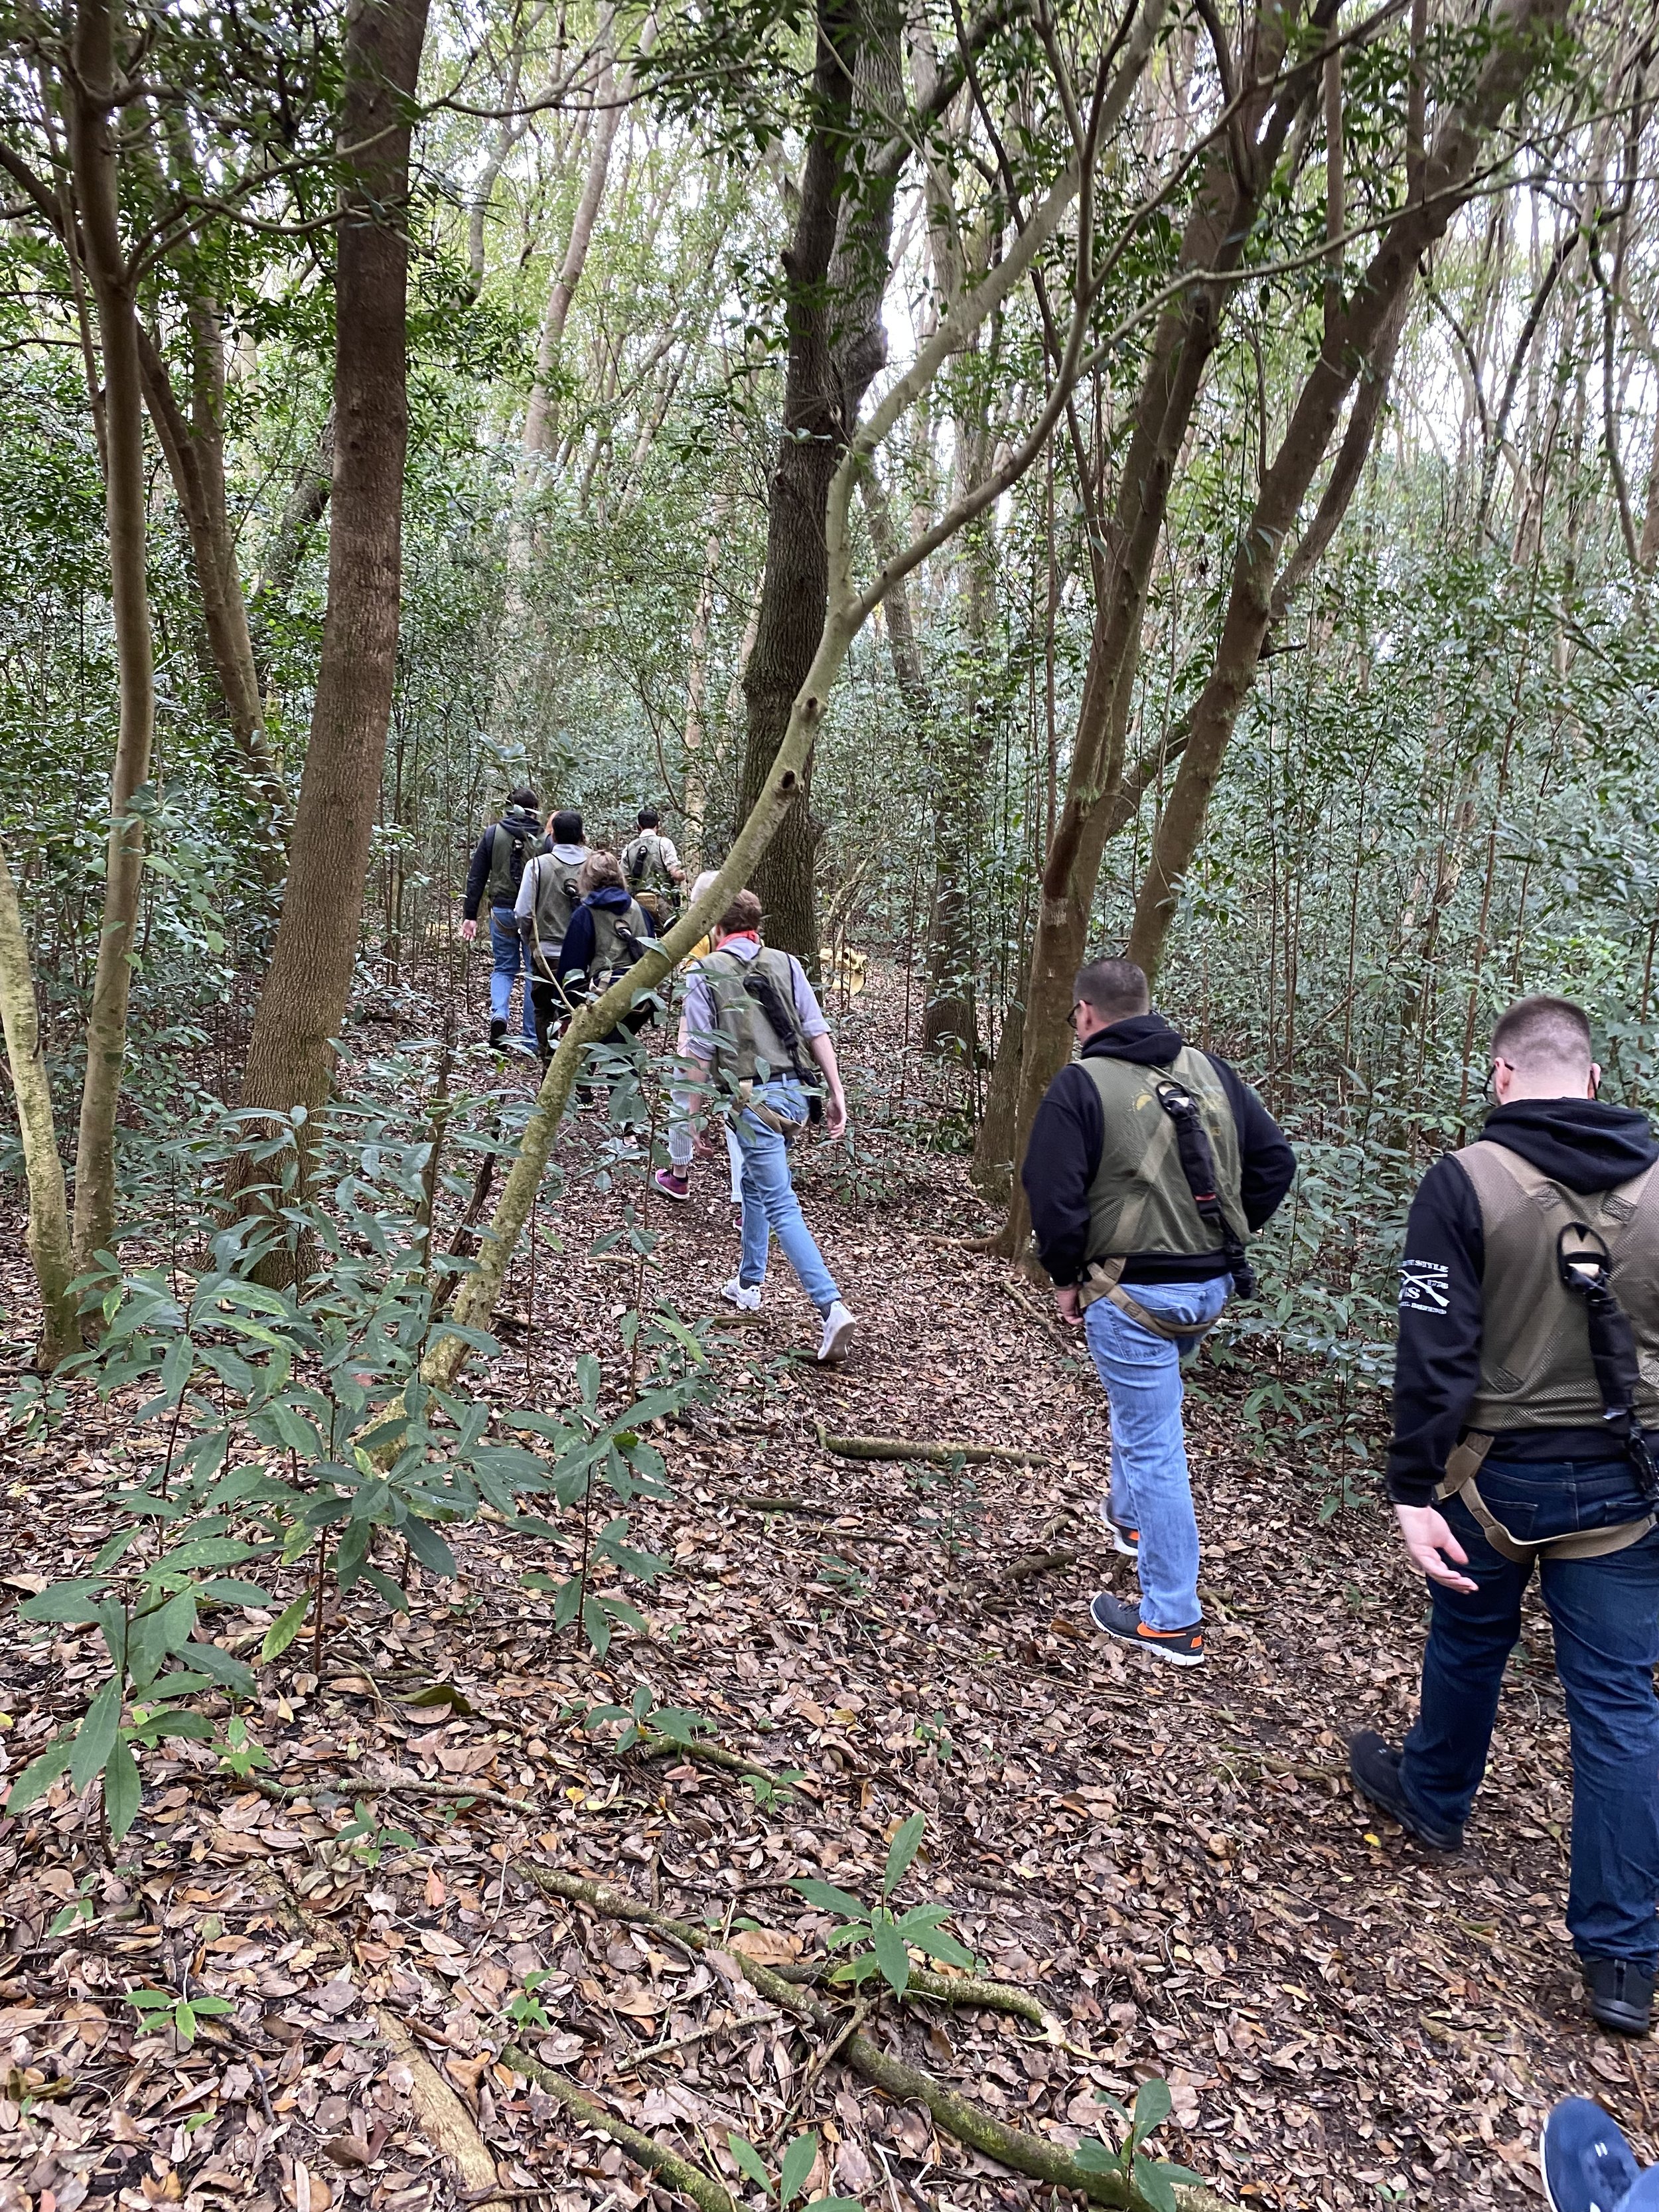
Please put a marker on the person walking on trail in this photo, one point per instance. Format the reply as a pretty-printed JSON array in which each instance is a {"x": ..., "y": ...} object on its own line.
[
  {"x": 500, "y": 862},
  {"x": 1149, "y": 1164},
  {"x": 756, "y": 1033},
  {"x": 651, "y": 867},
  {"x": 675, "y": 1180},
  {"x": 1588, "y": 2163},
  {"x": 547, "y": 897},
  {"x": 1526, "y": 1397},
  {"x": 608, "y": 931}
]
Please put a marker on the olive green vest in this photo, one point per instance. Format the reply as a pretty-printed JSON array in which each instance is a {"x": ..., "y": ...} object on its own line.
[
  {"x": 503, "y": 884},
  {"x": 747, "y": 1046},
  {"x": 556, "y": 897},
  {"x": 643, "y": 864},
  {"x": 1535, "y": 1367},
  {"x": 1139, "y": 1201},
  {"x": 612, "y": 949}
]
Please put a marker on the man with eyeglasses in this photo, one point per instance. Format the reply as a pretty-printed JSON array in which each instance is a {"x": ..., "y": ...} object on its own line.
[
  {"x": 1148, "y": 1164},
  {"x": 1525, "y": 1416}
]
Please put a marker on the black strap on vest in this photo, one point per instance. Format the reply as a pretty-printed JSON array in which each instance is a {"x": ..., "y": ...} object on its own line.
[
  {"x": 1198, "y": 1166},
  {"x": 759, "y": 987},
  {"x": 1586, "y": 1267}
]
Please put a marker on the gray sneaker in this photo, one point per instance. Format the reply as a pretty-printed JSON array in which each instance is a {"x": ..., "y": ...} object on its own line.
[{"x": 1124, "y": 1541}]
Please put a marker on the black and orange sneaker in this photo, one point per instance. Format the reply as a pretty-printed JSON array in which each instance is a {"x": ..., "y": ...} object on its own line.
[
  {"x": 1126, "y": 1541},
  {"x": 1181, "y": 1647}
]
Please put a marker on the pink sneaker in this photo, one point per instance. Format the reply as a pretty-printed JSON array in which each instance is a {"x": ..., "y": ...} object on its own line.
[{"x": 673, "y": 1184}]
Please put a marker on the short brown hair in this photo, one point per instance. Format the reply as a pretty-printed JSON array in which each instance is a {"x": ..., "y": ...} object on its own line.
[
  {"x": 1543, "y": 1032},
  {"x": 601, "y": 872},
  {"x": 1114, "y": 988},
  {"x": 744, "y": 912}
]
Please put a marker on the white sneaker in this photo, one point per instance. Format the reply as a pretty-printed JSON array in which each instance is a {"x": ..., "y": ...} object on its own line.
[
  {"x": 838, "y": 1328},
  {"x": 746, "y": 1296}
]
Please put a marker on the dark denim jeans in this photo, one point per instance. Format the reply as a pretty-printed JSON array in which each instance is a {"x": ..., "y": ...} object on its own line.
[{"x": 1605, "y": 1617}]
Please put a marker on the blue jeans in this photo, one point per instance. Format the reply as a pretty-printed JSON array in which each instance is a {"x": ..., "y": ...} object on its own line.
[
  {"x": 770, "y": 1207},
  {"x": 1151, "y": 1488},
  {"x": 1605, "y": 1617},
  {"x": 508, "y": 948}
]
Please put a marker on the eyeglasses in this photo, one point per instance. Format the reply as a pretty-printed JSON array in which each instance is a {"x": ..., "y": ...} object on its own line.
[
  {"x": 1071, "y": 1019},
  {"x": 1486, "y": 1090}
]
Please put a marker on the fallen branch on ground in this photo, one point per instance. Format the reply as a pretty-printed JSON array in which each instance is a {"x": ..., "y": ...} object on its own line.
[
  {"x": 786, "y": 1505},
  {"x": 958, "y": 2115},
  {"x": 711, "y": 1754},
  {"x": 438, "y": 2113},
  {"x": 1037, "y": 1563},
  {"x": 940, "y": 1454},
  {"x": 678, "y": 2172},
  {"x": 393, "y": 1785}
]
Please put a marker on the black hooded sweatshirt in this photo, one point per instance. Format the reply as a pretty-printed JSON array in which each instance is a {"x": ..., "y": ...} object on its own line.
[
  {"x": 1070, "y": 1128},
  {"x": 1578, "y": 1142}
]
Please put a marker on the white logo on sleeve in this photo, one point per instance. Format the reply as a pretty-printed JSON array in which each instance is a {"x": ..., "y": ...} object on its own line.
[{"x": 1424, "y": 1286}]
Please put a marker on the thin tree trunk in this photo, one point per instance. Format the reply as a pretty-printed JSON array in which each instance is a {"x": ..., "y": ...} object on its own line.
[
  {"x": 1352, "y": 334},
  {"x": 48, "y": 1228},
  {"x": 290, "y": 1057},
  {"x": 304, "y": 508},
  {"x": 696, "y": 740},
  {"x": 195, "y": 448},
  {"x": 91, "y": 97},
  {"x": 1217, "y": 230},
  {"x": 541, "y": 422}
]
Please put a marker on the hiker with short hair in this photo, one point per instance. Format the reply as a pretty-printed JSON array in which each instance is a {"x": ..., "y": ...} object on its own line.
[
  {"x": 755, "y": 1031},
  {"x": 684, "y": 1103},
  {"x": 651, "y": 867},
  {"x": 1148, "y": 1164},
  {"x": 548, "y": 896},
  {"x": 1525, "y": 1400},
  {"x": 608, "y": 931},
  {"x": 503, "y": 856}
]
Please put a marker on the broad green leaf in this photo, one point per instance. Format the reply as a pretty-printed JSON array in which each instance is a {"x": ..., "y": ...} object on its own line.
[
  {"x": 69, "y": 1603},
  {"x": 205, "y": 1552},
  {"x": 892, "y": 1955},
  {"x": 936, "y": 1943},
  {"x": 283, "y": 1630},
  {"x": 827, "y": 1898},
  {"x": 596, "y": 1626},
  {"x": 428, "y": 1546},
  {"x": 97, "y": 1731},
  {"x": 184, "y": 2019},
  {"x": 749, "y": 2159},
  {"x": 1155, "y": 2185},
  {"x": 1095, "y": 2157},
  {"x": 797, "y": 2163},
  {"x": 122, "y": 1792},
  {"x": 225, "y": 1589},
  {"x": 230, "y": 1673},
  {"x": 905, "y": 1845},
  {"x": 38, "y": 1775},
  {"x": 1153, "y": 2105}
]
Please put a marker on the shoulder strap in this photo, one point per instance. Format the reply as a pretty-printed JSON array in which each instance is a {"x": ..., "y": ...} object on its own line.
[{"x": 1615, "y": 1209}]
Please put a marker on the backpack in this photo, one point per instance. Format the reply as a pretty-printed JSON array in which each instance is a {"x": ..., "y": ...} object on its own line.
[
  {"x": 617, "y": 944},
  {"x": 509, "y": 841},
  {"x": 556, "y": 897}
]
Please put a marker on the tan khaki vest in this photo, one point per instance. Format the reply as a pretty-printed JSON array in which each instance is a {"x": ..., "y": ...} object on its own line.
[
  {"x": 747, "y": 1047},
  {"x": 1536, "y": 1369},
  {"x": 1139, "y": 1201}
]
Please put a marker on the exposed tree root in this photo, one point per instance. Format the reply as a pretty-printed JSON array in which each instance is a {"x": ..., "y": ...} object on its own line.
[
  {"x": 1036, "y": 1563},
  {"x": 958, "y": 2115},
  {"x": 940, "y": 1454},
  {"x": 395, "y": 1786},
  {"x": 711, "y": 1754},
  {"x": 786, "y": 1505},
  {"x": 442, "y": 2117},
  {"x": 678, "y": 2172}
]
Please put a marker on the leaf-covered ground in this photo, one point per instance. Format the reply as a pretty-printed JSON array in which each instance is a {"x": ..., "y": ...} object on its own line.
[{"x": 1174, "y": 1862}]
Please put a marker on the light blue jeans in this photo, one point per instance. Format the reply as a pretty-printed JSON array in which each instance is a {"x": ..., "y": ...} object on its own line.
[
  {"x": 509, "y": 949},
  {"x": 770, "y": 1207},
  {"x": 1151, "y": 1490}
]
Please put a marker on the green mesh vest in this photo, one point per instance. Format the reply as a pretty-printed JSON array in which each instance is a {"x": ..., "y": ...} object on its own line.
[
  {"x": 525, "y": 831},
  {"x": 748, "y": 1048},
  {"x": 1535, "y": 1367},
  {"x": 618, "y": 940},
  {"x": 555, "y": 897},
  {"x": 1140, "y": 1202}
]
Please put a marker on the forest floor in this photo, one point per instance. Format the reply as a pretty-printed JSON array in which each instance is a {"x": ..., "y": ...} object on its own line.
[{"x": 1173, "y": 1862}]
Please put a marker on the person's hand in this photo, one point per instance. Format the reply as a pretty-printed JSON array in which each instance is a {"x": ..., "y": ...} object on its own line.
[
  {"x": 1433, "y": 1549},
  {"x": 469, "y": 931},
  {"x": 834, "y": 1115},
  {"x": 1067, "y": 1301}
]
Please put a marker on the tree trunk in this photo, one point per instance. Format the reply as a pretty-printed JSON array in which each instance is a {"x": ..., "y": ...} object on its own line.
[
  {"x": 195, "y": 450},
  {"x": 1351, "y": 335},
  {"x": 831, "y": 270},
  {"x": 1236, "y": 174},
  {"x": 305, "y": 507},
  {"x": 91, "y": 97},
  {"x": 290, "y": 1057},
  {"x": 48, "y": 1229},
  {"x": 696, "y": 740}
]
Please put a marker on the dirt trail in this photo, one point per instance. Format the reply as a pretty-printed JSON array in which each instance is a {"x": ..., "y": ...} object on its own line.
[{"x": 1174, "y": 1860}]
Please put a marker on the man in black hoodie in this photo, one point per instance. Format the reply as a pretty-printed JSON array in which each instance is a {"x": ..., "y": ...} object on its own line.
[
  {"x": 1149, "y": 1164},
  {"x": 1503, "y": 1453}
]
